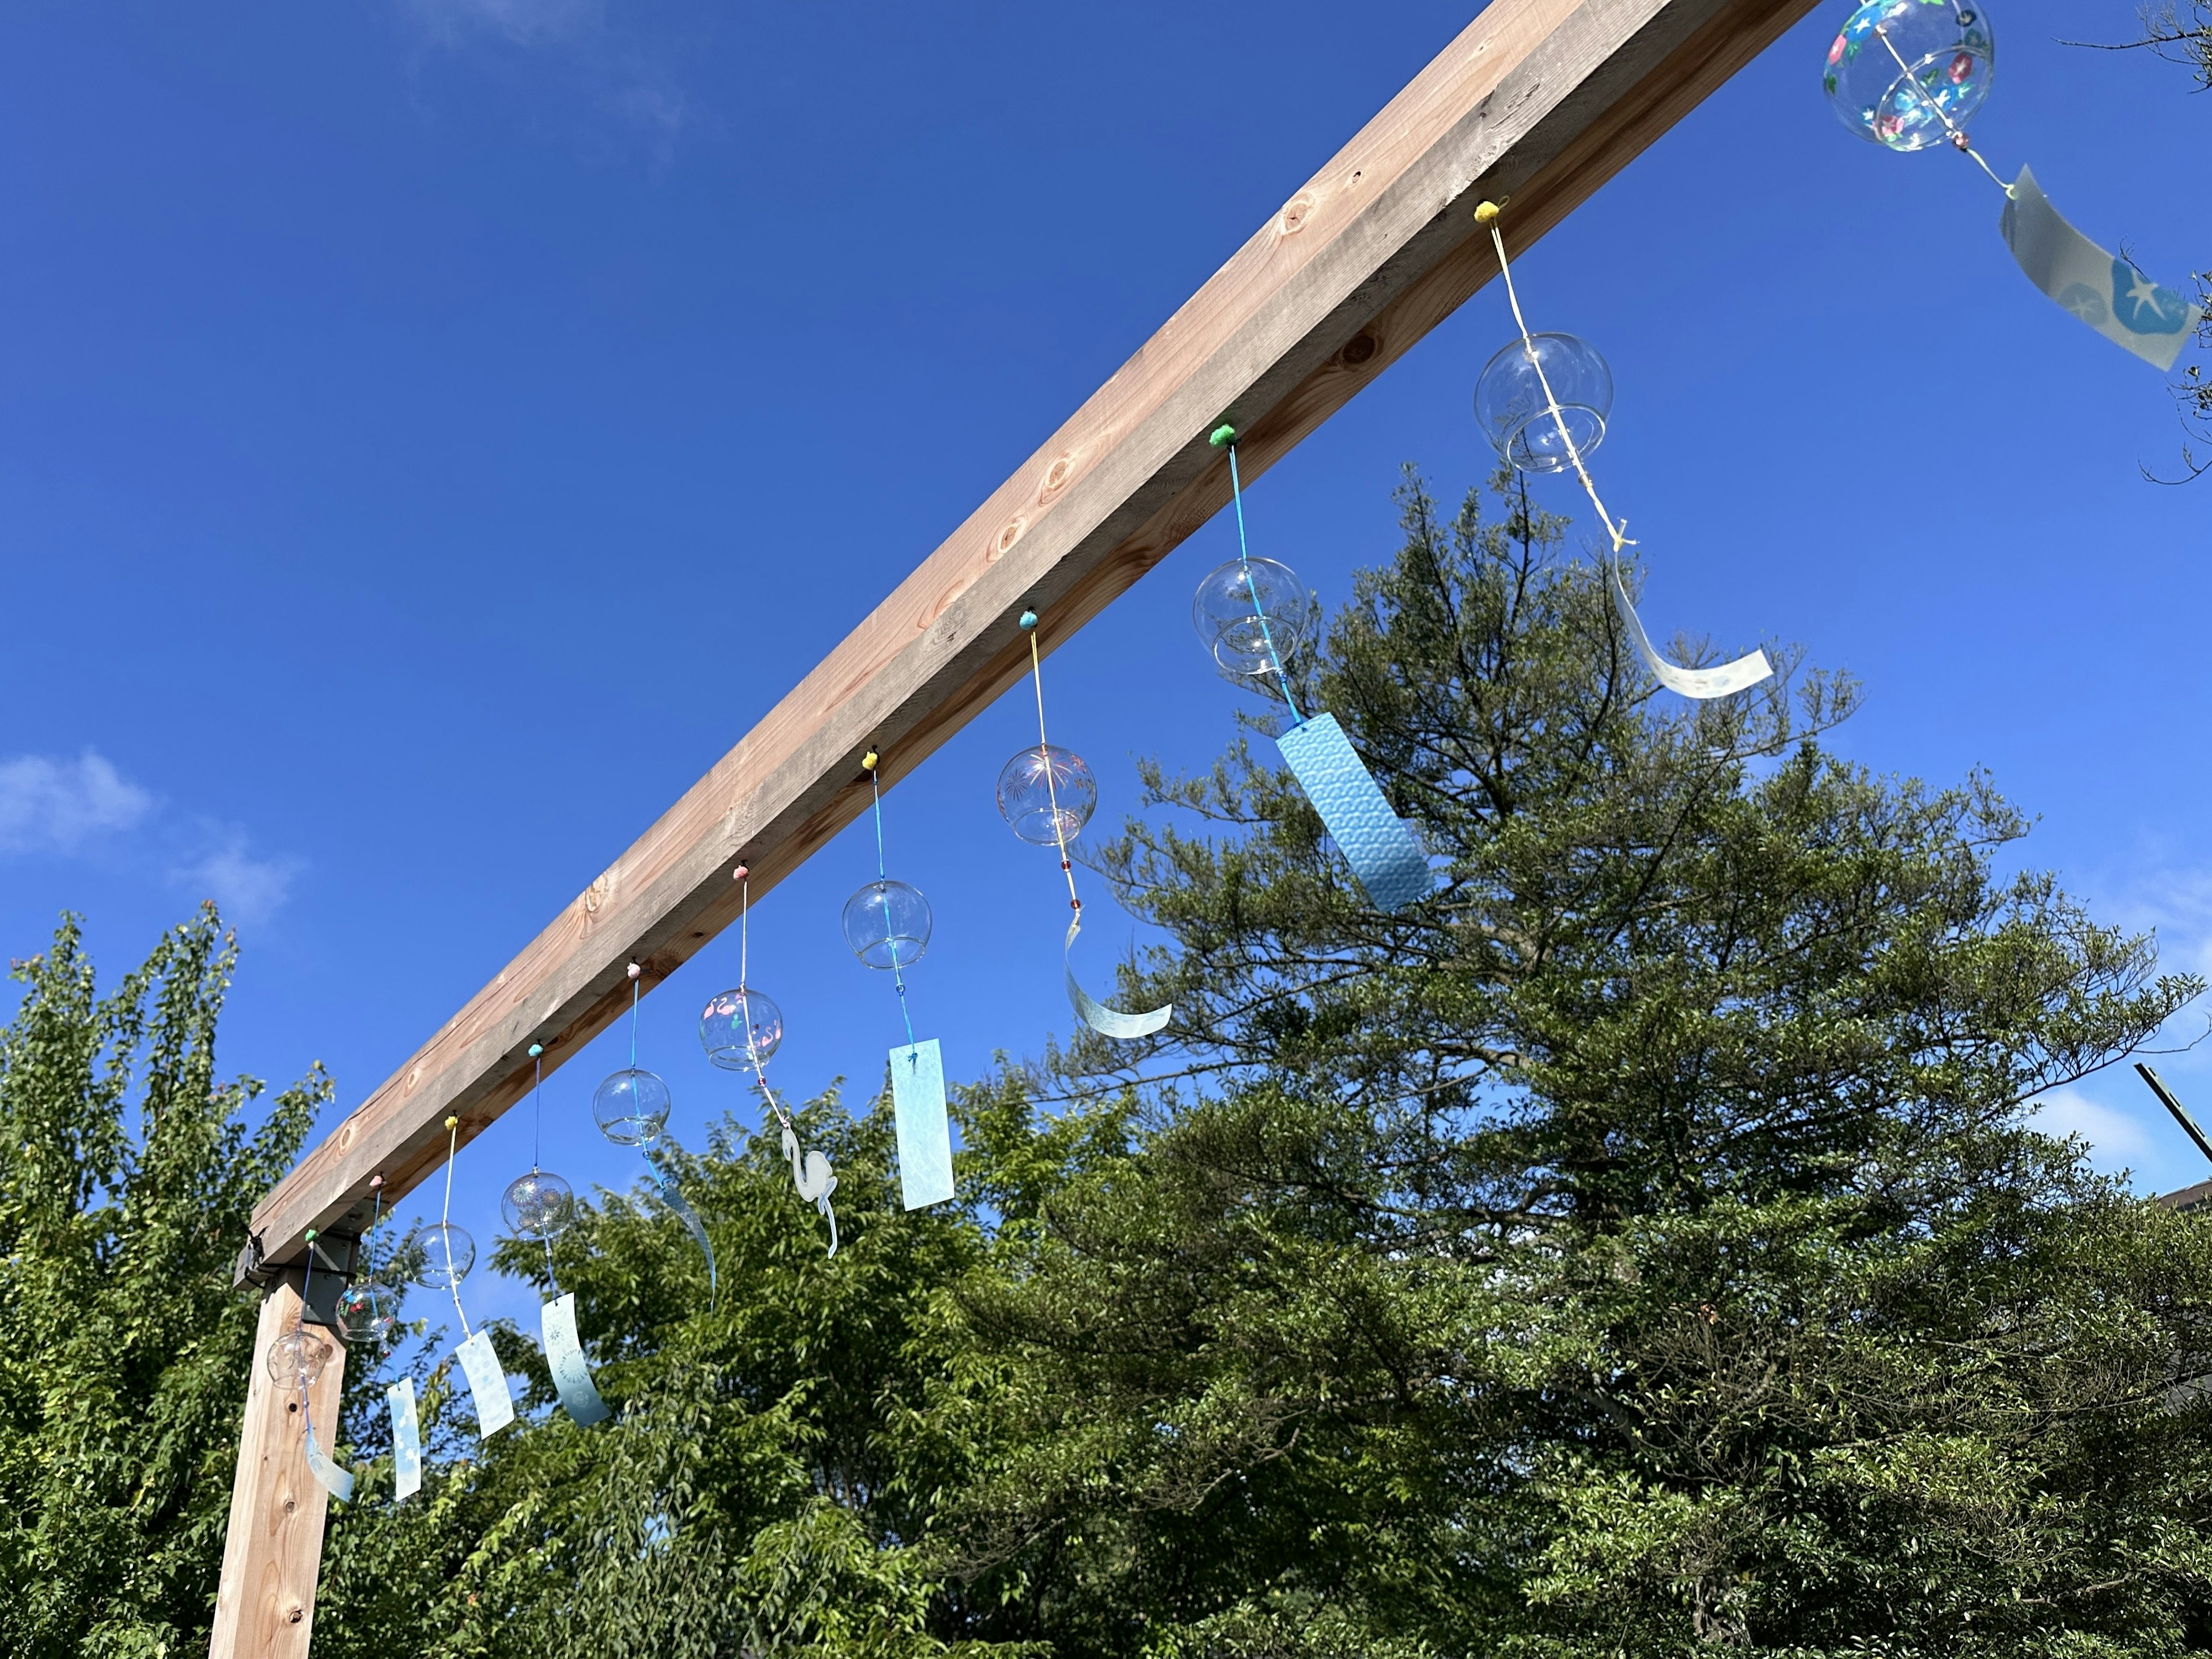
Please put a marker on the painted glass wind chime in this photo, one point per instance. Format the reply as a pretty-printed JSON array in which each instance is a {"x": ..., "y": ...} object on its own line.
[
  {"x": 1543, "y": 401},
  {"x": 1046, "y": 794},
  {"x": 1259, "y": 623},
  {"x": 739, "y": 1029},
  {"x": 1906, "y": 75},
  {"x": 888, "y": 923}
]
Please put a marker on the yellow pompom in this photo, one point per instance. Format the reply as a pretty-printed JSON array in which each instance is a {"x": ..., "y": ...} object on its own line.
[
  {"x": 871, "y": 760},
  {"x": 453, "y": 1123},
  {"x": 1485, "y": 213}
]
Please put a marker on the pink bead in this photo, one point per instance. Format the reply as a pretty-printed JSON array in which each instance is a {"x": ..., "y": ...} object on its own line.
[
  {"x": 740, "y": 873},
  {"x": 635, "y": 971}
]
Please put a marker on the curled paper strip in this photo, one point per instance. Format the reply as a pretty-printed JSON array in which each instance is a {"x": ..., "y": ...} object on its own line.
[
  {"x": 564, "y": 1358},
  {"x": 814, "y": 1179},
  {"x": 1698, "y": 683},
  {"x": 1375, "y": 840},
  {"x": 664, "y": 1187},
  {"x": 332, "y": 1479},
  {"x": 406, "y": 1439},
  {"x": 2109, "y": 294},
  {"x": 488, "y": 1382},
  {"x": 1108, "y": 1021},
  {"x": 925, "y": 1130}
]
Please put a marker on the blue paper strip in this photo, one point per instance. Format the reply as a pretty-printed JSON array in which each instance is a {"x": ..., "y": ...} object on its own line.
[
  {"x": 1108, "y": 1021},
  {"x": 564, "y": 1358},
  {"x": 488, "y": 1382},
  {"x": 333, "y": 1480},
  {"x": 406, "y": 1438},
  {"x": 664, "y": 1187},
  {"x": 925, "y": 1131},
  {"x": 1373, "y": 839}
]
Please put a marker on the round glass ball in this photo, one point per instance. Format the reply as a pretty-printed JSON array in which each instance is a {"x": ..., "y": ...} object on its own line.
[
  {"x": 1046, "y": 794},
  {"x": 537, "y": 1205},
  {"x": 368, "y": 1313},
  {"x": 1905, "y": 73},
  {"x": 887, "y": 924},
  {"x": 740, "y": 1029},
  {"x": 1257, "y": 620},
  {"x": 298, "y": 1357},
  {"x": 442, "y": 1253},
  {"x": 631, "y": 1107},
  {"x": 1515, "y": 414}
]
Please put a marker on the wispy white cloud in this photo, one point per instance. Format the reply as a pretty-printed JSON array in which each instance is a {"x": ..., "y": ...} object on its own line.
[
  {"x": 2118, "y": 1139},
  {"x": 49, "y": 806},
  {"x": 246, "y": 889},
  {"x": 619, "y": 66},
  {"x": 525, "y": 22},
  {"x": 86, "y": 808}
]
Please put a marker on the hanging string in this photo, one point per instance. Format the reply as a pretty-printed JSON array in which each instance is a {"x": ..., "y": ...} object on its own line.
[
  {"x": 1044, "y": 754},
  {"x": 871, "y": 761},
  {"x": 1486, "y": 214},
  {"x": 537, "y": 1103},
  {"x": 1227, "y": 435},
  {"x": 745, "y": 955},
  {"x": 306, "y": 1286},
  {"x": 445, "y": 1219},
  {"x": 1959, "y": 140},
  {"x": 634, "y": 975}
]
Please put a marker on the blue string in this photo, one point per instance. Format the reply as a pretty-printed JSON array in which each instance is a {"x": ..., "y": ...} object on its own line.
[
  {"x": 632, "y": 1021},
  {"x": 1244, "y": 559},
  {"x": 898, "y": 974}
]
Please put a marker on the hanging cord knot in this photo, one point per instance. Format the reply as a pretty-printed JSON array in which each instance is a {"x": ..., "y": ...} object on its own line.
[{"x": 1222, "y": 436}]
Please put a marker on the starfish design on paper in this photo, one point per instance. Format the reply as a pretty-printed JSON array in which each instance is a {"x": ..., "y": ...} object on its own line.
[{"x": 2144, "y": 306}]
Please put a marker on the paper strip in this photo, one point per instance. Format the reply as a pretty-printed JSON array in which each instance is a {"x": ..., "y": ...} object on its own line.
[
  {"x": 1375, "y": 840},
  {"x": 1108, "y": 1021},
  {"x": 564, "y": 1358},
  {"x": 1698, "y": 683},
  {"x": 488, "y": 1382},
  {"x": 2109, "y": 294},
  {"x": 925, "y": 1130},
  {"x": 664, "y": 1188},
  {"x": 406, "y": 1439},
  {"x": 332, "y": 1479}
]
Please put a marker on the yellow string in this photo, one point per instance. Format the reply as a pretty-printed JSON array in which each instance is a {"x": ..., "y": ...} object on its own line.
[
  {"x": 1051, "y": 792},
  {"x": 1618, "y": 531}
]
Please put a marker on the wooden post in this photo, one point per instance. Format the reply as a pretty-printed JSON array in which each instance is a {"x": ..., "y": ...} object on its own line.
[{"x": 264, "y": 1607}]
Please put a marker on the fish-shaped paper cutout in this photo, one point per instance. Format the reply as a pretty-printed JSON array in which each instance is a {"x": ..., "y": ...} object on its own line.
[
  {"x": 664, "y": 1188},
  {"x": 1107, "y": 1022},
  {"x": 1698, "y": 683},
  {"x": 2109, "y": 294},
  {"x": 1376, "y": 841},
  {"x": 488, "y": 1384},
  {"x": 564, "y": 1358},
  {"x": 406, "y": 1439},
  {"x": 925, "y": 1128},
  {"x": 814, "y": 1178},
  {"x": 332, "y": 1479}
]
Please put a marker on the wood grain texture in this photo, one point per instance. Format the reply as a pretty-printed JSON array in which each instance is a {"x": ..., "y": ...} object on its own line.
[
  {"x": 1539, "y": 101},
  {"x": 265, "y": 1606}
]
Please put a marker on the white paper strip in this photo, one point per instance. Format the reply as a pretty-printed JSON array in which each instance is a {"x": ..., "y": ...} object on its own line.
[
  {"x": 406, "y": 1439},
  {"x": 332, "y": 1479},
  {"x": 925, "y": 1132},
  {"x": 488, "y": 1382},
  {"x": 1698, "y": 683},
  {"x": 2109, "y": 294},
  {"x": 564, "y": 1357}
]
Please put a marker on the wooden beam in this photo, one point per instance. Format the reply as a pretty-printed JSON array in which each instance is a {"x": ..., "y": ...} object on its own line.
[
  {"x": 1539, "y": 101},
  {"x": 264, "y": 1606}
]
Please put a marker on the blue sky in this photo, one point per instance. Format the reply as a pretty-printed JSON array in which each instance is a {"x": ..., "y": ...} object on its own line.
[{"x": 431, "y": 431}]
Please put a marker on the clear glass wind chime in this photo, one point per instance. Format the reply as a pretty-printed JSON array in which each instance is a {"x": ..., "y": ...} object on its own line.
[
  {"x": 1906, "y": 75},
  {"x": 631, "y": 1108},
  {"x": 1543, "y": 401},
  {"x": 887, "y": 923},
  {"x": 1046, "y": 794},
  {"x": 739, "y": 1029},
  {"x": 540, "y": 1206},
  {"x": 369, "y": 1314},
  {"x": 1260, "y": 624},
  {"x": 442, "y": 1254},
  {"x": 296, "y": 1359}
]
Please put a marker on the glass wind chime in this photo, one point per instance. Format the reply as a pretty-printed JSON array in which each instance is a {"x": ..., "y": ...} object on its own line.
[
  {"x": 1543, "y": 401},
  {"x": 369, "y": 1314},
  {"x": 540, "y": 1206},
  {"x": 1259, "y": 623},
  {"x": 1046, "y": 795},
  {"x": 296, "y": 1360},
  {"x": 631, "y": 1108},
  {"x": 739, "y": 1029},
  {"x": 887, "y": 924},
  {"x": 1906, "y": 75},
  {"x": 442, "y": 1253}
]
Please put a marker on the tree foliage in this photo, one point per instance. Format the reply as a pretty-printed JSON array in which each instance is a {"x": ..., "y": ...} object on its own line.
[{"x": 127, "y": 1175}]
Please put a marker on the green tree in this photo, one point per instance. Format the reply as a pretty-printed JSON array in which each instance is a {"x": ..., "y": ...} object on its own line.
[{"x": 127, "y": 1175}]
